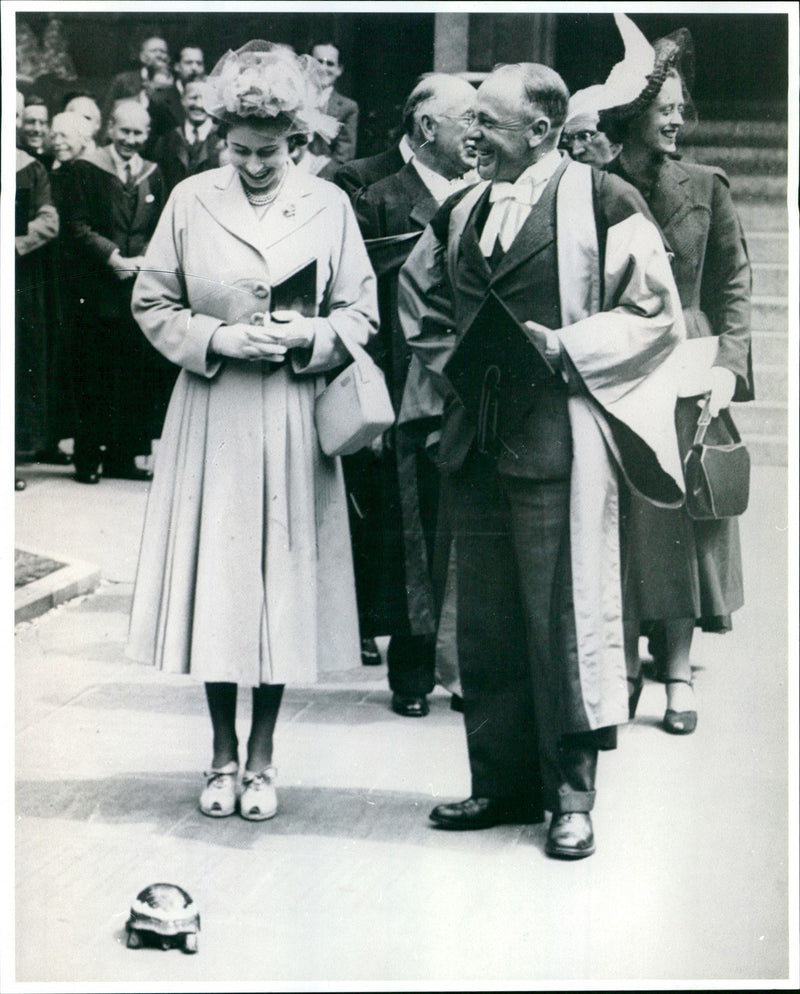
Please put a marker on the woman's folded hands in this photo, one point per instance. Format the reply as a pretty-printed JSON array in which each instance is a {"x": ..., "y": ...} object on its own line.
[{"x": 267, "y": 338}]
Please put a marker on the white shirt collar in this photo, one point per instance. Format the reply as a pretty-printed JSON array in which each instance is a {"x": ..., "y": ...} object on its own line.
[
  {"x": 405, "y": 149},
  {"x": 540, "y": 172},
  {"x": 135, "y": 162},
  {"x": 202, "y": 132},
  {"x": 440, "y": 187}
]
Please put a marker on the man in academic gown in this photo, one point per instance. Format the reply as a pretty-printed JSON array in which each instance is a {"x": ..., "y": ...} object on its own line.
[{"x": 573, "y": 256}]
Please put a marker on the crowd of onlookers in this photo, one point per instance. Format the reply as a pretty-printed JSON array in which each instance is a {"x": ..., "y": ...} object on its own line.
[{"x": 93, "y": 174}]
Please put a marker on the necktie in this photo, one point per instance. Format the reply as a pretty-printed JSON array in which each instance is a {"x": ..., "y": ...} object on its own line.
[
  {"x": 195, "y": 134},
  {"x": 128, "y": 177}
]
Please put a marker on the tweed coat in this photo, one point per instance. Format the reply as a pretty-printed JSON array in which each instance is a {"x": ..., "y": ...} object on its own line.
[
  {"x": 245, "y": 572},
  {"x": 676, "y": 567}
]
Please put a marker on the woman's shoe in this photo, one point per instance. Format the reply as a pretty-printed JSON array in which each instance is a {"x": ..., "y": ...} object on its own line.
[
  {"x": 680, "y": 722},
  {"x": 259, "y": 800},
  {"x": 218, "y": 799},
  {"x": 634, "y": 693}
]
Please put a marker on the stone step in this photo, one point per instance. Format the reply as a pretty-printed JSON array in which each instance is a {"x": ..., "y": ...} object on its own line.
[
  {"x": 761, "y": 215},
  {"x": 771, "y": 380},
  {"x": 758, "y": 187},
  {"x": 726, "y": 133},
  {"x": 770, "y": 314},
  {"x": 770, "y": 279},
  {"x": 770, "y": 348},
  {"x": 739, "y": 160},
  {"x": 767, "y": 450},
  {"x": 767, "y": 418},
  {"x": 768, "y": 246}
]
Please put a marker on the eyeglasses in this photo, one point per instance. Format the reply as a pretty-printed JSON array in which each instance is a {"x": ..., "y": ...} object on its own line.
[
  {"x": 467, "y": 119},
  {"x": 328, "y": 62},
  {"x": 584, "y": 137}
]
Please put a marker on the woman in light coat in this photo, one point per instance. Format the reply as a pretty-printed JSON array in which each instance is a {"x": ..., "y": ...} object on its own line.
[
  {"x": 245, "y": 573},
  {"x": 680, "y": 573}
]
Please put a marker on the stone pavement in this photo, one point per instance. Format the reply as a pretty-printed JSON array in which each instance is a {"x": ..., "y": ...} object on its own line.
[{"x": 349, "y": 886}]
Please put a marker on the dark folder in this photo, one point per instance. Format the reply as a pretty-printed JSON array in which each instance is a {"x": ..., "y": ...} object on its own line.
[
  {"x": 495, "y": 371},
  {"x": 297, "y": 292}
]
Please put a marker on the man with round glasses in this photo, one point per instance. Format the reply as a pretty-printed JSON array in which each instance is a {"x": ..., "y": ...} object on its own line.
[
  {"x": 345, "y": 110},
  {"x": 581, "y": 137}
]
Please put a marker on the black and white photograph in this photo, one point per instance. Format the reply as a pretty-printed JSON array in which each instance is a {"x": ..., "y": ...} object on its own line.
[{"x": 402, "y": 405}]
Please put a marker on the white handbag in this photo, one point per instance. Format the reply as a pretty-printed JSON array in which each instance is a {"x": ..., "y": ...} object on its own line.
[{"x": 355, "y": 407}]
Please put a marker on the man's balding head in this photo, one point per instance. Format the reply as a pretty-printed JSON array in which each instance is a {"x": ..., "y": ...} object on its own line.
[{"x": 128, "y": 127}]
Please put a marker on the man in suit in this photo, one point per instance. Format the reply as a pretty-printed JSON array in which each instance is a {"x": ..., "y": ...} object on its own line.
[
  {"x": 111, "y": 204},
  {"x": 34, "y": 131},
  {"x": 354, "y": 177},
  {"x": 193, "y": 146},
  {"x": 153, "y": 86},
  {"x": 335, "y": 104},
  {"x": 190, "y": 65},
  {"x": 584, "y": 276},
  {"x": 396, "y": 490}
]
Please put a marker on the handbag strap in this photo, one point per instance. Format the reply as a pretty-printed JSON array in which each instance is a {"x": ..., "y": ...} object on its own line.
[
  {"x": 359, "y": 354},
  {"x": 705, "y": 420}
]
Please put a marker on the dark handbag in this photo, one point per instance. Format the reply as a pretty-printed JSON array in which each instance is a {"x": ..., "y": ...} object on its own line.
[{"x": 717, "y": 474}]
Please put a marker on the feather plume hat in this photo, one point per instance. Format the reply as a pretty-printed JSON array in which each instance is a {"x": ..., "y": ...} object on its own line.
[
  {"x": 262, "y": 81},
  {"x": 636, "y": 81}
]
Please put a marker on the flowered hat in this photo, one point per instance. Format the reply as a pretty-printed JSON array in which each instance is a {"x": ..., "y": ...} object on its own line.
[
  {"x": 635, "y": 82},
  {"x": 262, "y": 81}
]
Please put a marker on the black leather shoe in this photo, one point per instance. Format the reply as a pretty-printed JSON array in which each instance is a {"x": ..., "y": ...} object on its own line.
[
  {"x": 410, "y": 706},
  {"x": 127, "y": 471},
  {"x": 370, "y": 654},
  {"x": 570, "y": 836},
  {"x": 457, "y": 703},
  {"x": 91, "y": 475},
  {"x": 486, "y": 812}
]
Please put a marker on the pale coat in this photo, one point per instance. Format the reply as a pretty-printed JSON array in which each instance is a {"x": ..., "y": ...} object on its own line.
[{"x": 245, "y": 572}]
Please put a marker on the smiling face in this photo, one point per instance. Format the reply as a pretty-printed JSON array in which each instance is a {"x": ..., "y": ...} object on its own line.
[
  {"x": 69, "y": 136},
  {"x": 88, "y": 109},
  {"x": 259, "y": 154},
  {"x": 328, "y": 58},
  {"x": 190, "y": 65},
  {"x": 193, "y": 101},
  {"x": 452, "y": 115},
  {"x": 657, "y": 128},
  {"x": 35, "y": 125},
  {"x": 129, "y": 128},
  {"x": 502, "y": 130},
  {"x": 154, "y": 52}
]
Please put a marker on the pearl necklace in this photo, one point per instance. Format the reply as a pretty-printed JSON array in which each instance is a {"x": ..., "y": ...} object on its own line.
[{"x": 262, "y": 199}]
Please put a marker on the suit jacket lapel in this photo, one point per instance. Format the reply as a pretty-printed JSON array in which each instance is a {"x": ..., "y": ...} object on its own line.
[
  {"x": 671, "y": 192},
  {"x": 424, "y": 203},
  {"x": 470, "y": 247}
]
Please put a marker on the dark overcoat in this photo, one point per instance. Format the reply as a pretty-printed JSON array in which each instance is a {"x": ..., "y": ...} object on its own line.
[
  {"x": 178, "y": 159},
  {"x": 676, "y": 567},
  {"x": 394, "y": 494},
  {"x": 355, "y": 176},
  {"x": 100, "y": 216}
]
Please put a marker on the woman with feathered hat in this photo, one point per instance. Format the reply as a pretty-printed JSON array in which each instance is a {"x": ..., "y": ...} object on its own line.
[
  {"x": 245, "y": 573},
  {"x": 681, "y": 573}
]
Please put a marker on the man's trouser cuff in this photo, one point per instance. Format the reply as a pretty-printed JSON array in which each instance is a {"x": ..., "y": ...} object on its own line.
[{"x": 571, "y": 800}]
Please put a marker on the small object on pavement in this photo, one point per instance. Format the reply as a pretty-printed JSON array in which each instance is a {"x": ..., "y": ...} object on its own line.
[{"x": 163, "y": 915}]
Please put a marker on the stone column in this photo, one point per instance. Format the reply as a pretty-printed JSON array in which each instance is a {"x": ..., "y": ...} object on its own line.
[{"x": 451, "y": 43}]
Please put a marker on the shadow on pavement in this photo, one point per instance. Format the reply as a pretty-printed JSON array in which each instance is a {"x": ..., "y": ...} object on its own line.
[
  {"x": 351, "y": 705},
  {"x": 168, "y": 803}
]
